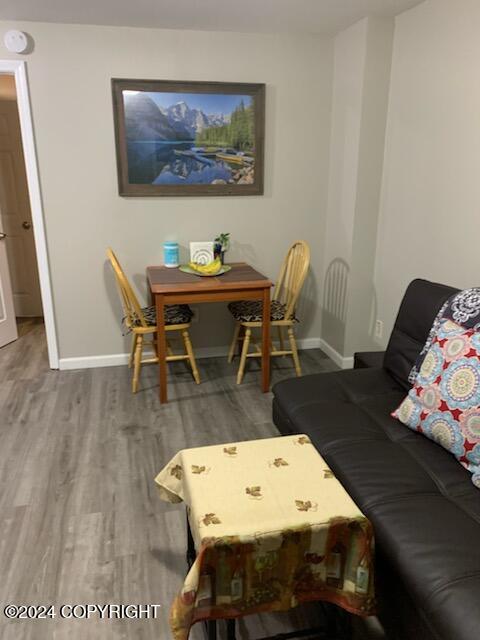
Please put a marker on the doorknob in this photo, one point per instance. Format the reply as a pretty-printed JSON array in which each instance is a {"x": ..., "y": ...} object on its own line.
[
  {"x": 2, "y": 236},
  {"x": 26, "y": 224}
]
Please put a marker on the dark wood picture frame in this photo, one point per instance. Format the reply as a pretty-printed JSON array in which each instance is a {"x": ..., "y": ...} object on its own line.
[{"x": 128, "y": 188}]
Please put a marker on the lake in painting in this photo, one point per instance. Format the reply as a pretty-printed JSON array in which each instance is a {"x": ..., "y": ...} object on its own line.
[{"x": 189, "y": 138}]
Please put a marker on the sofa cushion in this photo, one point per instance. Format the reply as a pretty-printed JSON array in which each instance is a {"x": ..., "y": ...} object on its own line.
[
  {"x": 444, "y": 402},
  {"x": 432, "y": 544},
  {"x": 421, "y": 303},
  {"x": 348, "y": 385},
  {"x": 364, "y": 359},
  {"x": 425, "y": 511}
]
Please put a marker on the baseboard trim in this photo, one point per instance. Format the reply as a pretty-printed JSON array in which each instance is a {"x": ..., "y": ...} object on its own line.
[
  {"x": 341, "y": 361},
  {"x": 119, "y": 359},
  {"x": 91, "y": 362}
]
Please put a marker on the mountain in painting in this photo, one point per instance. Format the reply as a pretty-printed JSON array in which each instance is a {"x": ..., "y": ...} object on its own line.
[
  {"x": 145, "y": 121},
  {"x": 193, "y": 120}
]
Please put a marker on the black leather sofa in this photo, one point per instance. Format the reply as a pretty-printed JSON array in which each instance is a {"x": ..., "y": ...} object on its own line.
[{"x": 422, "y": 503}]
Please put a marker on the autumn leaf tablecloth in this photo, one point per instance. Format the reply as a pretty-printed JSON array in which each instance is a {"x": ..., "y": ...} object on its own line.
[{"x": 272, "y": 527}]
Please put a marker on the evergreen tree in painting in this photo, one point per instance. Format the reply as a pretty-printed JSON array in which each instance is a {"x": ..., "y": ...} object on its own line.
[{"x": 239, "y": 133}]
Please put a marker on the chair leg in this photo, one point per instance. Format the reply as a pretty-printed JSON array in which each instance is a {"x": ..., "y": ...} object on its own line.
[
  {"x": 236, "y": 333},
  {"x": 191, "y": 356},
  {"x": 293, "y": 346},
  {"x": 280, "y": 338},
  {"x": 137, "y": 363},
  {"x": 243, "y": 357},
  {"x": 132, "y": 350}
]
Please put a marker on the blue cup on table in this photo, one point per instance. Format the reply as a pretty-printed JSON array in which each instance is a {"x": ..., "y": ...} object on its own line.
[{"x": 170, "y": 254}]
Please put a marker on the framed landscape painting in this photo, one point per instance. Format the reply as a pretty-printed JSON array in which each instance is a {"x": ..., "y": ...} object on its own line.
[{"x": 189, "y": 138}]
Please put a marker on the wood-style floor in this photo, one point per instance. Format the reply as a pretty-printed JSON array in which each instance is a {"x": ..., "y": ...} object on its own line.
[{"x": 80, "y": 519}]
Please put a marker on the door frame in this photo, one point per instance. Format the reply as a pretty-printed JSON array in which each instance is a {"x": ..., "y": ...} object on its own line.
[{"x": 18, "y": 69}]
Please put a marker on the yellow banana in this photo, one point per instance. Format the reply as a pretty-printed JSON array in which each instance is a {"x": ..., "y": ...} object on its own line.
[{"x": 211, "y": 268}]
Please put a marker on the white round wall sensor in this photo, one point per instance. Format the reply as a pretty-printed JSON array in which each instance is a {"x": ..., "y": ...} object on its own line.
[{"x": 16, "y": 41}]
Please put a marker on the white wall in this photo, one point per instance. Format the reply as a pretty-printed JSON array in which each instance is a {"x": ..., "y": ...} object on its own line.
[
  {"x": 69, "y": 74},
  {"x": 362, "y": 56},
  {"x": 349, "y": 63},
  {"x": 430, "y": 213},
  {"x": 362, "y": 303}
]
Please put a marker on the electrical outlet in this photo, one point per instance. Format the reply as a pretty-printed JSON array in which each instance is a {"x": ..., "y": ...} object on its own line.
[
  {"x": 378, "y": 331},
  {"x": 196, "y": 314}
]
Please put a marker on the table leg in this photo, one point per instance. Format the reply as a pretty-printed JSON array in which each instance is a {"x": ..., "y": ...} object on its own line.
[
  {"x": 212, "y": 629},
  {"x": 161, "y": 347},
  {"x": 330, "y": 612},
  {"x": 191, "y": 553},
  {"x": 266, "y": 341},
  {"x": 345, "y": 631},
  {"x": 231, "y": 629}
]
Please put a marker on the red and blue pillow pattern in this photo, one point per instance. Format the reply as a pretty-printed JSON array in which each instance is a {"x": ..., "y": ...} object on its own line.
[
  {"x": 444, "y": 403},
  {"x": 463, "y": 308}
]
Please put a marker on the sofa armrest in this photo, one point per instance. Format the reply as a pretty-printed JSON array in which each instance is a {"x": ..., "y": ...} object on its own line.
[{"x": 368, "y": 359}]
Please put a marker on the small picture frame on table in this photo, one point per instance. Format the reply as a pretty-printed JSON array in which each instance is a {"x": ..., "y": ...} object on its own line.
[{"x": 201, "y": 252}]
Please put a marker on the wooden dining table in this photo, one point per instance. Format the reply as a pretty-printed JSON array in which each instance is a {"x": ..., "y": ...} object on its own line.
[{"x": 172, "y": 286}]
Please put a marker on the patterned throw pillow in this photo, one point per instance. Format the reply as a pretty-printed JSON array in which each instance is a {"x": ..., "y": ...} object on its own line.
[
  {"x": 444, "y": 403},
  {"x": 463, "y": 308}
]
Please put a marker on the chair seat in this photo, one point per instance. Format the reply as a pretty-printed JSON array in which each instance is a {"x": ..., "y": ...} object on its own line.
[
  {"x": 252, "y": 310},
  {"x": 174, "y": 314}
]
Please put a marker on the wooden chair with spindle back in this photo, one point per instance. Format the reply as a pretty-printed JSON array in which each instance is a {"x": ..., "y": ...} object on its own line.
[
  {"x": 142, "y": 322},
  {"x": 248, "y": 313}
]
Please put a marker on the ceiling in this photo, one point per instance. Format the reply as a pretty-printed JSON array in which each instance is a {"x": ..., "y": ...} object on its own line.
[{"x": 265, "y": 16}]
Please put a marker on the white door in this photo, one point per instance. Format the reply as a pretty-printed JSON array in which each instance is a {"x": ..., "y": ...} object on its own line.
[
  {"x": 16, "y": 215},
  {"x": 8, "y": 322}
]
